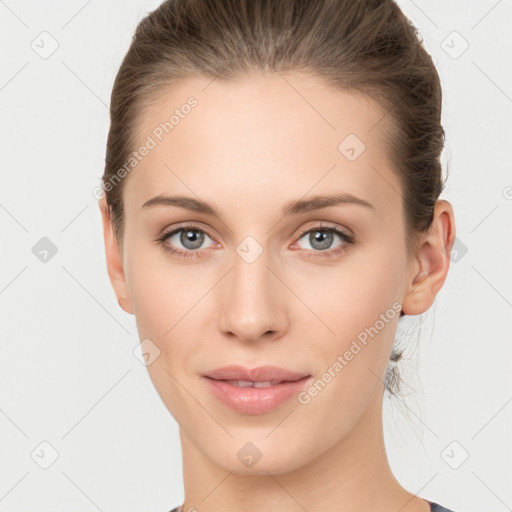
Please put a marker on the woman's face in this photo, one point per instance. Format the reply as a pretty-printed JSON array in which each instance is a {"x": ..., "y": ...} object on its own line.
[{"x": 263, "y": 283}]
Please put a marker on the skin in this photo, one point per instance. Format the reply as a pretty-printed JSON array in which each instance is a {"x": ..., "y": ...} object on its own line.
[{"x": 248, "y": 148}]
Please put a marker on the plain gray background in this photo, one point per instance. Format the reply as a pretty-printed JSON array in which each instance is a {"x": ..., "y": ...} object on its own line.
[{"x": 75, "y": 397}]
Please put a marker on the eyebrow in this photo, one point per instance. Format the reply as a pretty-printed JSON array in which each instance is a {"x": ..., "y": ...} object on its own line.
[{"x": 295, "y": 207}]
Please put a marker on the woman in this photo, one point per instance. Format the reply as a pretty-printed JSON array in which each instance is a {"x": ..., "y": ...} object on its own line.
[{"x": 271, "y": 210}]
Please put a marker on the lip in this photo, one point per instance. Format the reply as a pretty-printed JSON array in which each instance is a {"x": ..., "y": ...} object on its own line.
[
  {"x": 250, "y": 400},
  {"x": 259, "y": 374}
]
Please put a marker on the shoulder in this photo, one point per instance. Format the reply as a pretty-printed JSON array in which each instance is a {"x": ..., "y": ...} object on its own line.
[{"x": 434, "y": 507}]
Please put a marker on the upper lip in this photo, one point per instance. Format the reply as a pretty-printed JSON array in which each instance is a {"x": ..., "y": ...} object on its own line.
[{"x": 258, "y": 374}]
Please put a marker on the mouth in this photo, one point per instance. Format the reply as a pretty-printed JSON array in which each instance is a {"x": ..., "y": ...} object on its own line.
[
  {"x": 261, "y": 376},
  {"x": 255, "y": 384},
  {"x": 255, "y": 397}
]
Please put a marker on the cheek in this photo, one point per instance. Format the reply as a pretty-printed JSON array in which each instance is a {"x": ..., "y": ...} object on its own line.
[
  {"x": 163, "y": 298},
  {"x": 161, "y": 292},
  {"x": 350, "y": 297},
  {"x": 351, "y": 360},
  {"x": 168, "y": 299},
  {"x": 357, "y": 309}
]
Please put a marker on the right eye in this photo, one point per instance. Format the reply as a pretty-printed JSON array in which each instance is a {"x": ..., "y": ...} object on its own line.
[{"x": 190, "y": 237}]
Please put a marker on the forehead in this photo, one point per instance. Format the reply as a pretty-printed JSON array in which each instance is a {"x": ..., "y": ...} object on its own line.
[{"x": 266, "y": 133}]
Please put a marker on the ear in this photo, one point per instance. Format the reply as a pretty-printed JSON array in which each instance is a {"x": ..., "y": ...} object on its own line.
[
  {"x": 114, "y": 259},
  {"x": 432, "y": 261}
]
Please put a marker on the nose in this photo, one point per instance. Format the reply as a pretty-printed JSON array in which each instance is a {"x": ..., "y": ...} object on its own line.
[{"x": 252, "y": 301}]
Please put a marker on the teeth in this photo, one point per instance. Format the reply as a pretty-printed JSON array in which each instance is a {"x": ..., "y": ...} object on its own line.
[
  {"x": 265, "y": 384},
  {"x": 248, "y": 383},
  {"x": 241, "y": 383}
]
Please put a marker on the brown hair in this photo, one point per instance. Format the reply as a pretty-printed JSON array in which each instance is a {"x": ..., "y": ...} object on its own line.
[{"x": 367, "y": 46}]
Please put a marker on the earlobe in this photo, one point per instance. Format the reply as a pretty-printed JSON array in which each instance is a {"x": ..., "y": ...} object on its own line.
[
  {"x": 432, "y": 261},
  {"x": 114, "y": 260}
]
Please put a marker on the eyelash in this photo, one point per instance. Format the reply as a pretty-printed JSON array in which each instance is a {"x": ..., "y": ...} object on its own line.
[{"x": 328, "y": 253}]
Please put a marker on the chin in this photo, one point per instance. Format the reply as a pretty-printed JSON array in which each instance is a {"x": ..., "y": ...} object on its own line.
[{"x": 273, "y": 464}]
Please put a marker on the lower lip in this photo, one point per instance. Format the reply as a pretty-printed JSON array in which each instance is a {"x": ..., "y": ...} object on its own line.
[{"x": 251, "y": 400}]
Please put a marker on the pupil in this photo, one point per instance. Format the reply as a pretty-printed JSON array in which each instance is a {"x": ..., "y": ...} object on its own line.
[
  {"x": 323, "y": 238},
  {"x": 191, "y": 239}
]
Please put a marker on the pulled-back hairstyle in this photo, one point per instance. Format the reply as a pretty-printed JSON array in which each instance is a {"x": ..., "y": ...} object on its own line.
[{"x": 366, "y": 46}]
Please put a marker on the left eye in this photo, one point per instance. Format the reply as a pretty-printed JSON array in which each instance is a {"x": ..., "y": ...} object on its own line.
[{"x": 321, "y": 239}]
